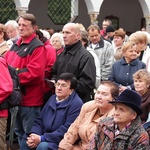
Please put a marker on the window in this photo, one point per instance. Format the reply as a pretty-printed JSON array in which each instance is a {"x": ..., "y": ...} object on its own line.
[
  {"x": 7, "y": 11},
  {"x": 115, "y": 21}
]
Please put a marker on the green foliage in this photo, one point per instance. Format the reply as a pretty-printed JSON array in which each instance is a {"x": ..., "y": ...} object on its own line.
[
  {"x": 7, "y": 10},
  {"x": 59, "y": 11}
]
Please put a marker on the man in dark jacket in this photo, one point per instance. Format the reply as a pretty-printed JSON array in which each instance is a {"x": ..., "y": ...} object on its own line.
[{"x": 76, "y": 60}]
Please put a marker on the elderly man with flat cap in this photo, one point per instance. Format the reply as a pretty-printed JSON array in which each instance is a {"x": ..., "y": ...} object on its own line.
[{"x": 123, "y": 131}]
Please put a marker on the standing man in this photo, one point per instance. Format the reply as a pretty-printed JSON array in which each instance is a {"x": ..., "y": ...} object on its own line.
[
  {"x": 105, "y": 23},
  {"x": 28, "y": 56},
  {"x": 76, "y": 60},
  {"x": 103, "y": 49},
  {"x": 110, "y": 31}
]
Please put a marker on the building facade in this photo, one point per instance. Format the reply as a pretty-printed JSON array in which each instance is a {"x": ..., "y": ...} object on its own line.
[{"x": 130, "y": 15}]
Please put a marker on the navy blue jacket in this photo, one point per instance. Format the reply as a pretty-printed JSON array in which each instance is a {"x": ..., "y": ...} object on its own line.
[
  {"x": 122, "y": 71},
  {"x": 54, "y": 120}
]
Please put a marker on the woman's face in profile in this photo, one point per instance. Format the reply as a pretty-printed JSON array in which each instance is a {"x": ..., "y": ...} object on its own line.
[
  {"x": 140, "y": 46},
  {"x": 140, "y": 85},
  {"x": 103, "y": 96},
  {"x": 123, "y": 114}
]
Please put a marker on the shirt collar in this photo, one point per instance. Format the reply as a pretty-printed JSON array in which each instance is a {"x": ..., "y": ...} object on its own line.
[{"x": 27, "y": 41}]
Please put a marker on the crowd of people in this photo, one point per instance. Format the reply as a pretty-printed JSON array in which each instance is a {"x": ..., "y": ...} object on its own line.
[{"x": 81, "y": 89}]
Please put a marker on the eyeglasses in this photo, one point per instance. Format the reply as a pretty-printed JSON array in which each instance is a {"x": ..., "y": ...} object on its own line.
[{"x": 61, "y": 85}]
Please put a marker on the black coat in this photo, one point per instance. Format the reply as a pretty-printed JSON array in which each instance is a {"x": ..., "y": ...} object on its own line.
[{"x": 77, "y": 60}]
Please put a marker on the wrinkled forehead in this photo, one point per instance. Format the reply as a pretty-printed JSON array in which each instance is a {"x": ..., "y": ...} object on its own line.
[
  {"x": 63, "y": 81},
  {"x": 104, "y": 88}
]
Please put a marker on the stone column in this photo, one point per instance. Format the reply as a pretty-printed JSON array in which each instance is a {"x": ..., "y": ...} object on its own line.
[
  {"x": 22, "y": 6},
  {"x": 21, "y": 12},
  {"x": 93, "y": 7},
  {"x": 147, "y": 19},
  {"x": 93, "y": 18}
]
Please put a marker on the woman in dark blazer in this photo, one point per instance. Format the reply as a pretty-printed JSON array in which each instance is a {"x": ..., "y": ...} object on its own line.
[{"x": 122, "y": 70}]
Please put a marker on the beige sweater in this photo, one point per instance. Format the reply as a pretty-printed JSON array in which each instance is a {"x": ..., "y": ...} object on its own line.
[{"x": 84, "y": 127}]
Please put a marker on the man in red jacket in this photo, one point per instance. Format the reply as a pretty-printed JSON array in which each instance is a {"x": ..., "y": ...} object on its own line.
[
  {"x": 6, "y": 87},
  {"x": 28, "y": 55}
]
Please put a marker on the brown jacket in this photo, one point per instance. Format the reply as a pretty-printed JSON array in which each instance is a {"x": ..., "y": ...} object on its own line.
[
  {"x": 145, "y": 105},
  {"x": 83, "y": 128}
]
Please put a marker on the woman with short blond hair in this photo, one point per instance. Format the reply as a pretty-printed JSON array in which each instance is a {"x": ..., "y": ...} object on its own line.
[
  {"x": 123, "y": 69},
  {"x": 141, "y": 39}
]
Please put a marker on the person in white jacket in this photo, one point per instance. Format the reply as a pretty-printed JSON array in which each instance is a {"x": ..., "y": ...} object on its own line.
[{"x": 84, "y": 40}]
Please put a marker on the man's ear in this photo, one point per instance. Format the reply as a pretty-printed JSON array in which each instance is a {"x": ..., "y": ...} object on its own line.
[{"x": 78, "y": 36}]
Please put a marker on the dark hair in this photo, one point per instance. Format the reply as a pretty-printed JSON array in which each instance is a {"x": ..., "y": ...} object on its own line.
[
  {"x": 41, "y": 36},
  {"x": 84, "y": 37},
  {"x": 114, "y": 88},
  {"x": 29, "y": 17},
  {"x": 69, "y": 77}
]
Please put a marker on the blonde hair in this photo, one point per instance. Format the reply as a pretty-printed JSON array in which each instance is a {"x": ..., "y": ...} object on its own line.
[
  {"x": 128, "y": 45},
  {"x": 138, "y": 37},
  {"x": 3, "y": 29},
  {"x": 82, "y": 28},
  {"x": 142, "y": 74}
]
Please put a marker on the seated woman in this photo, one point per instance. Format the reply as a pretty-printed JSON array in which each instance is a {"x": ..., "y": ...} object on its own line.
[
  {"x": 122, "y": 70},
  {"x": 83, "y": 128},
  {"x": 124, "y": 130},
  {"x": 56, "y": 116},
  {"x": 141, "y": 80}
]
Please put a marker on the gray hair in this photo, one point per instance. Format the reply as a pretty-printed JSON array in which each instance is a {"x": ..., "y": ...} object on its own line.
[
  {"x": 60, "y": 36},
  {"x": 12, "y": 23}
]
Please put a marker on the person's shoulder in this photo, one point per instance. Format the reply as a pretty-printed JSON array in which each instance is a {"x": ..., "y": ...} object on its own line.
[
  {"x": 142, "y": 132},
  {"x": 89, "y": 106},
  {"x": 117, "y": 63},
  {"x": 84, "y": 53},
  {"x": 106, "y": 42},
  {"x": 2, "y": 60},
  {"x": 76, "y": 97},
  {"x": 107, "y": 121},
  {"x": 75, "y": 100},
  {"x": 140, "y": 62}
]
